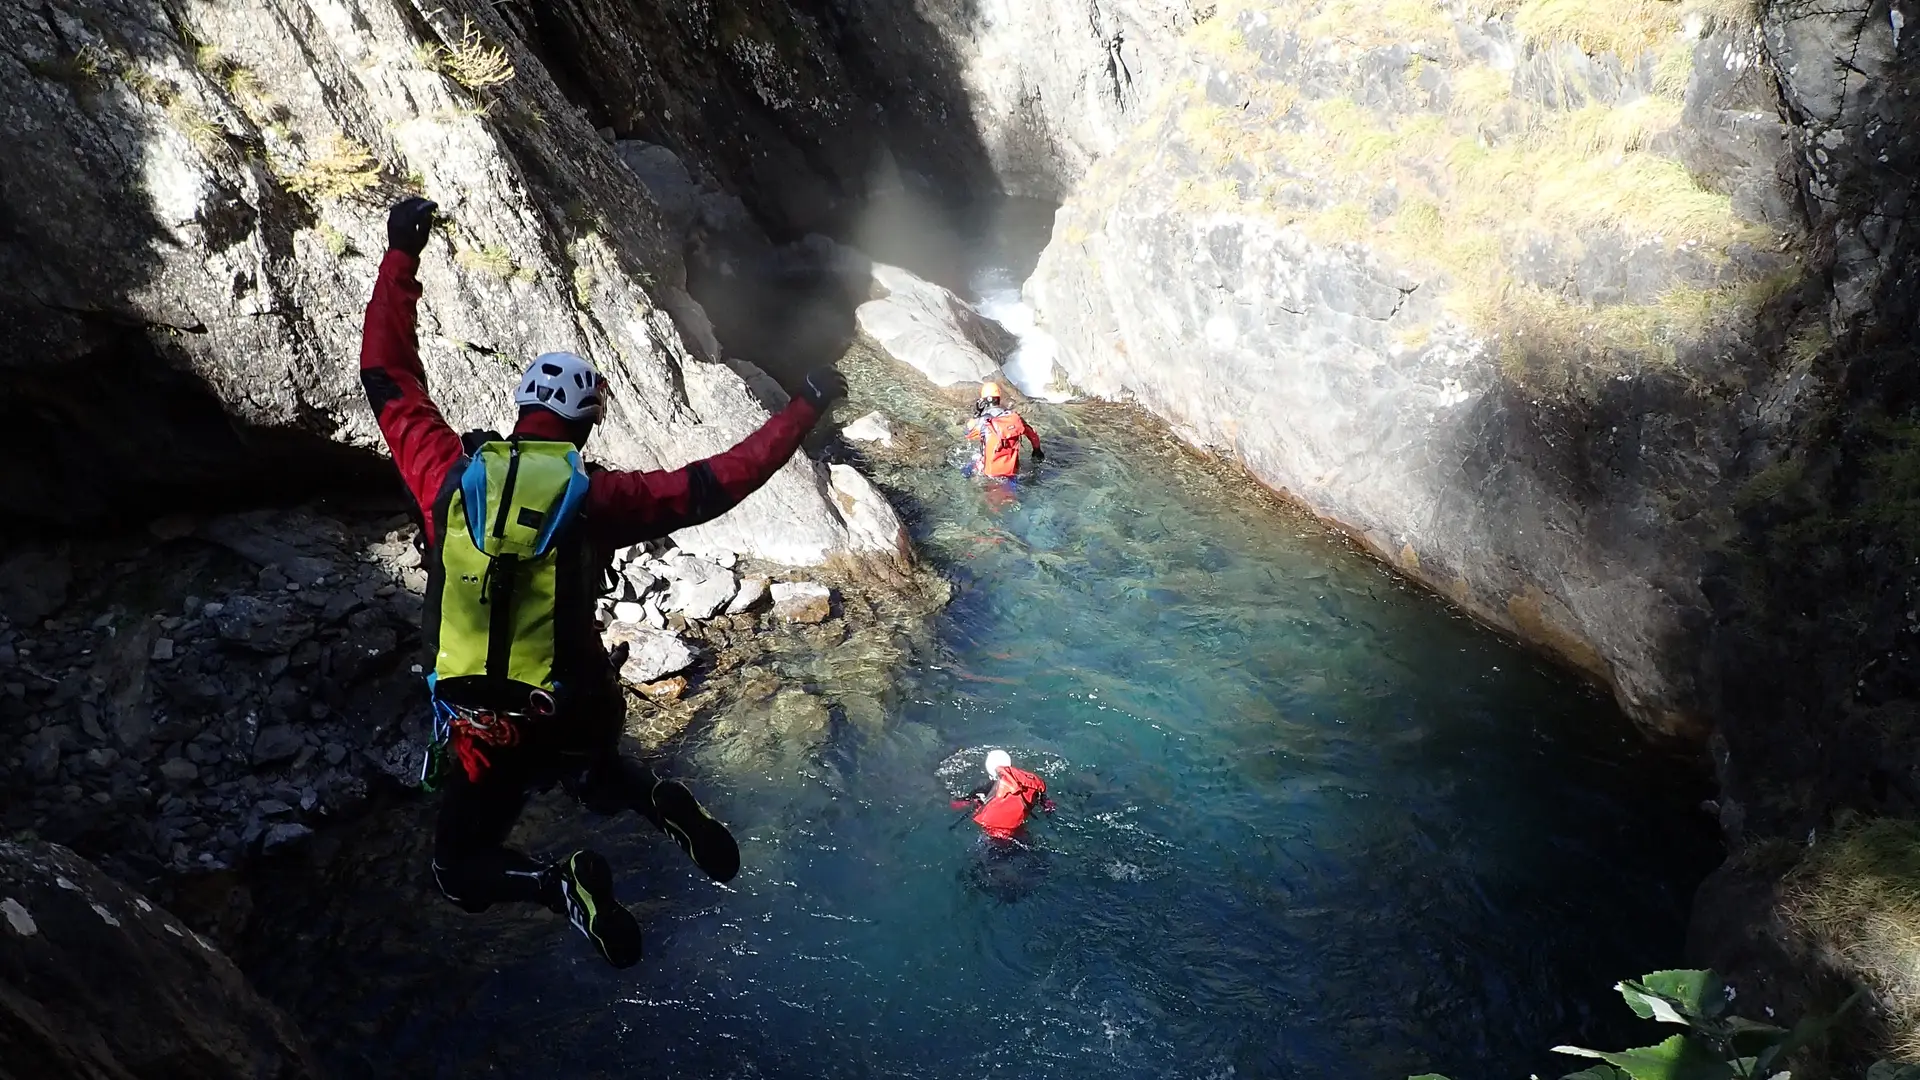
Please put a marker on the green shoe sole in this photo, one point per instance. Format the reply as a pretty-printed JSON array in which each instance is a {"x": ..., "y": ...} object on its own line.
[{"x": 594, "y": 912}]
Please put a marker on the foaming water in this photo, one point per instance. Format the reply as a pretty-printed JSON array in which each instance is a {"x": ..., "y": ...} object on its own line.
[{"x": 1310, "y": 824}]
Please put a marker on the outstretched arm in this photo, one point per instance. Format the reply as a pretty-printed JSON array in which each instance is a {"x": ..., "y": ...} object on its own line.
[
  {"x": 628, "y": 507},
  {"x": 1034, "y": 438},
  {"x": 424, "y": 447}
]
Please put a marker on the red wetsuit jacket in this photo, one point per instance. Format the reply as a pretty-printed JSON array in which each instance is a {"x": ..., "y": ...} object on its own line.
[
  {"x": 622, "y": 508},
  {"x": 999, "y": 433},
  {"x": 1013, "y": 793}
]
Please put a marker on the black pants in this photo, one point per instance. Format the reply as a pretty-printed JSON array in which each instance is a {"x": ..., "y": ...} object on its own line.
[{"x": 471, "y": 862}]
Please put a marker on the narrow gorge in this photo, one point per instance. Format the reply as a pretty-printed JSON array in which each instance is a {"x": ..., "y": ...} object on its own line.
[{"x": 1590, "y": 320}]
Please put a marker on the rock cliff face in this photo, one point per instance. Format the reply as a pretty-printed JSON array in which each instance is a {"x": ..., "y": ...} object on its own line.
[
  {"x": 1599, "y": 319},
  {"x": 95, "y": 982},
  {"x": 195, "y": 199},
  {"x": 1484, "y": 288}
]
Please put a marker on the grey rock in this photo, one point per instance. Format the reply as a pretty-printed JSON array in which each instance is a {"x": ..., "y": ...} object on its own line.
[
  {"x": 283, "y": 835},
  {"x": 276, "y": 744},
  {"x": 262, "y": 625},
  {"x": 699, "y": 589},
  {"x": 162, "y": 650},
  {"x": 335, "y": 753},
  {"x": 132, "y": 985},
  {"x": 42, "y": 762},
  {"x": 90, "y": 722},
  {"x": 270, "y": 807},
  {"x": 653, "y": 654},
  {"x": 179, "y": 770},
  {"x": 873, "y": 427},
  {"x": 930, "y": 329},
  {"x": 752, "y": 591}
]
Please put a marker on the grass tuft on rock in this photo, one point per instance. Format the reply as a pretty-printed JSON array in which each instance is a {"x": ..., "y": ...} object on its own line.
[
  {"x": 337, "y": 168},
  {"x": 472, "y": 60},
  {"x": 1857, "y": 894}
]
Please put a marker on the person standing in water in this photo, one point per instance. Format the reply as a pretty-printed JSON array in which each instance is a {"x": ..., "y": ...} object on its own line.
[
  {"x": 999, "y": 430},
  {"x": 1006, "y": 798}
]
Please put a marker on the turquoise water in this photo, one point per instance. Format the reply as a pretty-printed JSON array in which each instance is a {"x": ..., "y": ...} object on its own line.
[{"x": 1310, "y": 824}]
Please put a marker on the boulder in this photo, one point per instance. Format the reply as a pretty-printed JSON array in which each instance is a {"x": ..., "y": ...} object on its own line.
[
  {"x": 927, "y": 327},
  {"x": 804, "y": 602},
  {"x": 652, "y": 654},
  {"x": 102, "y": 984},
  {"x": 698, "y": 589},
  {"x": 278, "y": 743},
  {"x": 868, "y": 515},
  {"x": 752, "y": 590}
]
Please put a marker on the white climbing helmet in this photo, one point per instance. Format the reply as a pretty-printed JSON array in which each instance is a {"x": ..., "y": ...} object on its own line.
[
  {"x": 562, "y": 383},
  {"x": 997, "y": 760}
]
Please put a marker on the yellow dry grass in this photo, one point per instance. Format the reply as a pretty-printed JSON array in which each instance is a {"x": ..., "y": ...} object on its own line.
[
  {"x": 336, "y": 168},
  {"x": 1492, "y": 173},
  {"x": 472, "y": 60},
  {"x": 1857, "y": 893}
]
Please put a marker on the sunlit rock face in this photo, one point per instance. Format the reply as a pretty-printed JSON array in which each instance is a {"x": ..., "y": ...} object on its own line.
[
  {"x": 197, "y": 195},
  {"x": 1501, "y": 294}
]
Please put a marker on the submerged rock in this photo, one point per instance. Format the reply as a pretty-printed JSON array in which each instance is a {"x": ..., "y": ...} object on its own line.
[
  {"x": 872, "y": 427},
  {"x": 805, "y": 602}
]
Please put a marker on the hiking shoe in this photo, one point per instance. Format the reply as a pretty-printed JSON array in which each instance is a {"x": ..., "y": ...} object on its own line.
[
  {"x": 705, "y": 840},
  {"x": 586, "y": 891}
]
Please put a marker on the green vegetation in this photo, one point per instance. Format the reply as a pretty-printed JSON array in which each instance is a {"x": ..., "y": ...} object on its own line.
[
  {"x": 583, "y": 285},
  {"x": 492, "y": 259},
  {"x": 1857, "y": 893},
  {"x": 333, "y": 240},
  {"x": 338, "y": 168},
  {"x": 472, "y": 60},
  {"x": 1493, "y": 176},
  {"x": 1717, "y": 1045}
]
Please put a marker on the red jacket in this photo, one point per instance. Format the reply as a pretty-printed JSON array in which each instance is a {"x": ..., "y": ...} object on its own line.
[
  {"x": 1013, "y": 794},
  {"x": 622, "y": 508},
  {"x": 999, "y": 434}
]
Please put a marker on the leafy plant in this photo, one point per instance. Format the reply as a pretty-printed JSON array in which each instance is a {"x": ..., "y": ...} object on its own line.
[{"x": 1717, "y": 1045}]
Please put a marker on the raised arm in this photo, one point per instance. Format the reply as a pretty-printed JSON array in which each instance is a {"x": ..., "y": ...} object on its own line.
[
  {"x": 424, "y": 447},
  {"x": 628, "y": 507}
]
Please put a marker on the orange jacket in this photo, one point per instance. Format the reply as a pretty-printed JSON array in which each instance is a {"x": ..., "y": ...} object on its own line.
[
  {"x": 1014, "y": 793},
  {"x": 999, "y": 433}
]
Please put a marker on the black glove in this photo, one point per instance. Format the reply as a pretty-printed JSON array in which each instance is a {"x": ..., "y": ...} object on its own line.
[
  {"x": 1039, "y": 455},
  {"x": 823, "y": 387},
  {"x": 409, "y": 223}
]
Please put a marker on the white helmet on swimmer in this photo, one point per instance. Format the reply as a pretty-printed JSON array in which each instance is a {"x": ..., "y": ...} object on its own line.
[
  {"x": 562, "y": 383},
  {"x": 997, "y": 760}
]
